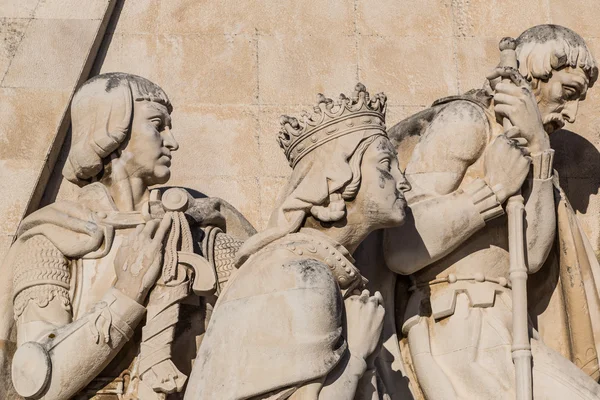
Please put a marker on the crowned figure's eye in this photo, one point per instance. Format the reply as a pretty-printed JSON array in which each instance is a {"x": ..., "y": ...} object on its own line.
[{"x": 386, "y": 164}]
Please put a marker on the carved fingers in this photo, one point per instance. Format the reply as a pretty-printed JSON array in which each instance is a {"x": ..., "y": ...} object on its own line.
[
  {"x": 507, "y": 73},
  {"x": 364, "y": 317},
  {"x": 139, "y": 258},
  {"x": 506, "y": 166},
  {"x": 515, "y": 101}
]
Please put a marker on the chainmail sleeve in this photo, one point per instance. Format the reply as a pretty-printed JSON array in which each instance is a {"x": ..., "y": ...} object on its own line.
[
  {"x": 41, "y": 274},
  {"x": 220, "y": 250}
]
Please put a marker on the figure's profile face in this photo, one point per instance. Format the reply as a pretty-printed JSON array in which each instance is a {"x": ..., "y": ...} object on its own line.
[
  {"x": 380, "y": 198},
  {"x": 147, "y": 155},
  {"x": 558, "y": 97}
]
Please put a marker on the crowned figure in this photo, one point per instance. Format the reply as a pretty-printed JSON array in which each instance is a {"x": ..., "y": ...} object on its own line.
[{"x": 295, "y": 322}]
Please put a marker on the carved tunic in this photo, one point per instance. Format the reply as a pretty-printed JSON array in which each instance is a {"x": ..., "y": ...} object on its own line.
[
  {"x": 72, "y": 303},
  {"x": 284, "y": 305},
  {"x": 459, "y": 316}
]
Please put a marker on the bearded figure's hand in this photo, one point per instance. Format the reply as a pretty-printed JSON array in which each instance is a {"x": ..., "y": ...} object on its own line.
[
  {"x": 506, "y": 166},
  {"x": 515, "y": 100}
]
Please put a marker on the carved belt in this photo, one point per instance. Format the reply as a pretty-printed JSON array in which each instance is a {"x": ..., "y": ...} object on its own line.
[{"x": 480, "y": 290}]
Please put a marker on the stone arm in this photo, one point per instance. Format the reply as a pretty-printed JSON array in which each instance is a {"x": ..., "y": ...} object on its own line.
[
  {"x": 435, "y": 227},
  {"x": 441, "y": 216},
  {"x": 540, "y": 210},
  {"x": 57, "y": 357}
]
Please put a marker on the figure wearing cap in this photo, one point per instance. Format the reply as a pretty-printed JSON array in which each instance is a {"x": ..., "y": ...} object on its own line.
[
  {"x": 295, "y": 321},
  {"x": 455, "y": 319},
  {"x": 83, "y": 275}
]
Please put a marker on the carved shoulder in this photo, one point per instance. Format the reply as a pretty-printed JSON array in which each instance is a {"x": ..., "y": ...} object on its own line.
[
  {"x": 454, "y": 139},
  {"x": 41, "y": 273}
]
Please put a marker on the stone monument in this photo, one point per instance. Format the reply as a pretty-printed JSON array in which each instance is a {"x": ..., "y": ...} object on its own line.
[
  {"x": 458, "y": 314},
  {"x": 439, "y": 258}
]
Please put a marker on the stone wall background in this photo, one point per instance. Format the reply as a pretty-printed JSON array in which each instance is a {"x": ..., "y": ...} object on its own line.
[
  {"x": 232, "y": 67},
  {"x": 47, "y": 49}
]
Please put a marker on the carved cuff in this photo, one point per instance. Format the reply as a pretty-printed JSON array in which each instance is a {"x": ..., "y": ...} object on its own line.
[
  {"x": 125, "y": 313},
  {"x": 484, "y": 199},
  {"x": 542, "y": 164},
  {"x": 357, "y": 365}
]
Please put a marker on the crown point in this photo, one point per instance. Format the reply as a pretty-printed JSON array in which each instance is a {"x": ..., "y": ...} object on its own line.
[{"x": 331, "y": 120}]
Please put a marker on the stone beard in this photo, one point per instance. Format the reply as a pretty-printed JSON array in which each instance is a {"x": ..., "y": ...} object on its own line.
[{"x": 458, "y": 319}]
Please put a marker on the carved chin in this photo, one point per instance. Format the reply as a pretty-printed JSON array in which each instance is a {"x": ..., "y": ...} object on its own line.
[
  {"x": 400, "y": 208},
  {"x": 162, "y": 175},
  {"x": 398, "y": 214}
]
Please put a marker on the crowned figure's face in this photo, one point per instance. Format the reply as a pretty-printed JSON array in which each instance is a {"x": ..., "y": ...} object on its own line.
[
  {"x": 380, "y": 198},
  {"x": 558, "y": 97},
  {"x": 147, "y": 155}
]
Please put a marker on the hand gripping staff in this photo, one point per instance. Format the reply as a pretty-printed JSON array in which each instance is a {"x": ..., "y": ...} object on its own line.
[{"x": 521, "y": 347}]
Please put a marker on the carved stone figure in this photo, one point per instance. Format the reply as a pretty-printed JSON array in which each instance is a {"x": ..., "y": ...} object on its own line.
[
  {"x": 82, "y": 275},
  {"x": 293, "y": 322},
  {"x": 463, "y": 166}
]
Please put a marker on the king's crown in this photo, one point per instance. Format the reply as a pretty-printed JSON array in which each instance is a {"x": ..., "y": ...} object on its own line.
[{"x": 331, "y": 120}]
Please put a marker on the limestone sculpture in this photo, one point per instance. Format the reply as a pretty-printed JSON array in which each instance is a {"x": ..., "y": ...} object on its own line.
[
  {"x": 295, "y": 322},
  {"x": 455, "y": 313},
  {"x": 82, "y": 276}
]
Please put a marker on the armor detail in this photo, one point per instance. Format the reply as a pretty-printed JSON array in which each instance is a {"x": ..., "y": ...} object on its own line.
[
  {"x": 41, "y": 274},
  {"x": 220, "y": 249}
]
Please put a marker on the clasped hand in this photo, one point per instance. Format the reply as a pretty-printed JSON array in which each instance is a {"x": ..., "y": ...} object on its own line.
[{"x": 515, "y": 100}]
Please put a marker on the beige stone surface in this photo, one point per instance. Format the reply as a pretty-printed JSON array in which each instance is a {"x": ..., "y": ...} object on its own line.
[
  {"x": 70, "y": 9},
  {"x": 404, "y": 18},
  {"x": 232, "y": 131},
  {"x": 476, "y": 57},
  {"x": 402, "y": 67},
  {"x": 142, "y": 17},
  {"x": 18, "y": 8},
  {"x": 581, "y": 15},
  {"x": 270, "y": 189},
  {"x": 498, "y": 18},
  {"x": 272, "y": 160},
  {"x": 11, "y": 33},
  {"x": 5, "y": 242},
  {"x": 262, "y": 16},
  {"x": 17, "y": 177},
  {"x": 280, "y": 57},
  {"x": 210, "y": 64},
  {"x": 40, "y": 59},
  {"x": 29, "y": 135}
]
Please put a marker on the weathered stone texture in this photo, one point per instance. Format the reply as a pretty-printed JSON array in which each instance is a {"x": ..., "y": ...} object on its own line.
[
  {"x": 46, "y": 49},
  {"x": 231, "y": 68},
  {"x": 11, "y": 33}
]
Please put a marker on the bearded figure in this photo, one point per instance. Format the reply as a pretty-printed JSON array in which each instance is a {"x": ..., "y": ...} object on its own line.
[
  {"x": 98, "y": 293},
  {"x": 454, "y": 312}
]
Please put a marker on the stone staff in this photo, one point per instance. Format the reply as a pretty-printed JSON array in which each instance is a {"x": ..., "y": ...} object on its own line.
[{"x": 521, "y": 347}]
